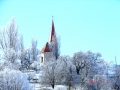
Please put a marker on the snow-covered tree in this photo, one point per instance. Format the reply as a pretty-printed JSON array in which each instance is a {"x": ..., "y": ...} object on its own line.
[
  {"x": 86, "y": 66},
  {"x": 51, "y": 73},
  {"x": 10, "y": 41},
  {"x": 21, "y": 52},
  {"x": 35, "y": 65},
  {"x": 60, "y": 71},
  {"x": 82, "y": 60},
  {"x": 69, "y": 75},
  {"x": 115, "y": 80},
  {"x": 56, "y": 46},
  {"x": 31, "y": 56},
  {"x": 100, "y": 82},
  {"x": 27, "y": 62},
  {"x": 14, "y": 80},
  {"x": 33, "y": 50},
  {"x": 78, "y": 61}
]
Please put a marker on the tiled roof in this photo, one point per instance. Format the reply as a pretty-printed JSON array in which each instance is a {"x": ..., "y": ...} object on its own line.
[{"x": 45, "y": 48}]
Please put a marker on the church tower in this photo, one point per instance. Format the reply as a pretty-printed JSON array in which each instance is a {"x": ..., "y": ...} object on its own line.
[{"x": 49, "y": 49}]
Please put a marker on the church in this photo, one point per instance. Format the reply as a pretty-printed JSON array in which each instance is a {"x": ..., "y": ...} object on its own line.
[{"x": 50, "y": 49}]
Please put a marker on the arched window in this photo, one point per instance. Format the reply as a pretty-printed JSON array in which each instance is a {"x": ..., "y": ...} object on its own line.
[{"x": 41, "y": 59}]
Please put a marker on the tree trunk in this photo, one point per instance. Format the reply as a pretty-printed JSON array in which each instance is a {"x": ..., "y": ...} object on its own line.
[
  {"x": 69, "y": 87},
  {"x": 53, "y": 86},
  {"x": 77, "y": 71}
]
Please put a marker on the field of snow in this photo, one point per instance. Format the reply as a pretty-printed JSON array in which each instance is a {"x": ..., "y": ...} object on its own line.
[{"x": 57, "y": 87}]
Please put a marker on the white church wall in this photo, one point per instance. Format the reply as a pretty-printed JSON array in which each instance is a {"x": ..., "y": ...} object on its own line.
[
  {"x": 47, "y": 56},
  {"x": 44, "y": 57}
]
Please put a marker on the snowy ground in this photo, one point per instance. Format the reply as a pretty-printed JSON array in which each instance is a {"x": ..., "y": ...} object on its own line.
[
  {"x": 57, "y": 87},
  {"x": 35, "y": 82}
]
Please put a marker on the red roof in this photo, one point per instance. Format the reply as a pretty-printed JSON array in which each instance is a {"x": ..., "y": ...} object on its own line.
[
  {"x": 52, "y": 33},
  {"x": 45, "y": 48}
]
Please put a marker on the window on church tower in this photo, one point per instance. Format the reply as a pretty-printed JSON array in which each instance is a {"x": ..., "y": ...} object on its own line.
[{"x": 41, "y": 59}]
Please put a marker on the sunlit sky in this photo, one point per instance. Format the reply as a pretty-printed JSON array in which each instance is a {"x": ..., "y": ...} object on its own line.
[{"x": 82, "y": 24}]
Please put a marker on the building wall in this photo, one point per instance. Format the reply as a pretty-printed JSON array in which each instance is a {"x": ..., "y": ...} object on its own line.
[
  {"x": 44, "y": 57},
  {"x": 47, "y": 56},
  {"x": 41, "y": 58}
]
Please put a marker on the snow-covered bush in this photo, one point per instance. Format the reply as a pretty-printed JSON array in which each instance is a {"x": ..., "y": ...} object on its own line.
[
  {"x": 14, "y": 80},
  {"x": 7, "y": 64}
]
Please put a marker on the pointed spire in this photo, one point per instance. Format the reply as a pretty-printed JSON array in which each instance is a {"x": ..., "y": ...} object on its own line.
[{"x": 52, "y": 33}]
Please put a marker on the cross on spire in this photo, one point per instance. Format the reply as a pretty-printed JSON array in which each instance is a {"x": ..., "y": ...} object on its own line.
[{"x": 52, "y": 17}]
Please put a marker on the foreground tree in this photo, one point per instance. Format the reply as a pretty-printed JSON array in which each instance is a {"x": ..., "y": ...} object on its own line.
[
  {"x": 12, "y": 79},
  {"x": 50, "y": 73},
  {"x": 69, "y": 75},
  {"x": 59, "y": 72}
]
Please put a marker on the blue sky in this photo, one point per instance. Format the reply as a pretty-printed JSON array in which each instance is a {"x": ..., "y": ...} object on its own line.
[{"x": 82, "y": 24}]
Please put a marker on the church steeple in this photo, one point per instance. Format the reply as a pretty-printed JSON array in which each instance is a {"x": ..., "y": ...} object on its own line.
[
  {"x": 52, "y": 33},
  {"x": 51, "y": 47}
]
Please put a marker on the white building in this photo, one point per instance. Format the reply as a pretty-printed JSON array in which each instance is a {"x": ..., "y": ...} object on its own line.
[{"x": 48, "y": 50}]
